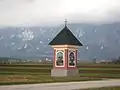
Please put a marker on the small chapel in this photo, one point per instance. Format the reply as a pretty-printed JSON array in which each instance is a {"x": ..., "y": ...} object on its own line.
[{"x": 65, "y": 46}]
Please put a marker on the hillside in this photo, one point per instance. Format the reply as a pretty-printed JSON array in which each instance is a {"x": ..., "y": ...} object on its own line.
[{"x": 100, "y": 41}]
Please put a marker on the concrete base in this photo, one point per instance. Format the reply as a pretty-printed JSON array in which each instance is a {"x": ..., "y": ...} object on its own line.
[{"x": 63, "y": 72}]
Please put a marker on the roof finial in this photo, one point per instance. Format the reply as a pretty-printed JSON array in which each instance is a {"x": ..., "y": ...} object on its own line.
[{"x": 66, "y": 22}]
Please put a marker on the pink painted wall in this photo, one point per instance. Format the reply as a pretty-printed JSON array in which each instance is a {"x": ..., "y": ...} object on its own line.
[{"x": 66, "y": 60}]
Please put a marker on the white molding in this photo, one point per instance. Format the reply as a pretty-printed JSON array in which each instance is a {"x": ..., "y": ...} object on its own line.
[
  {"x": 63, "y": 57},
  {"x": 74, "y": 51},
  {"x": 65, "y": 46}
]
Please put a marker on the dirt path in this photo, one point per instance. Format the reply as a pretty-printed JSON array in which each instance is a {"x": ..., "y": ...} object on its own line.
[{"x": 64, "y": 86}]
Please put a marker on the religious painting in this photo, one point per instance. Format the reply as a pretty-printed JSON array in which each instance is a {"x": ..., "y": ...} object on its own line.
[
  {"x": 71, "y": 58},
  {"x": 59, "y": 58}
]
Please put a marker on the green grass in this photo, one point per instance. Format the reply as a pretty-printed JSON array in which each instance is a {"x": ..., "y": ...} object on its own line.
[
  {"x": 99, "y": 68},
  {"x": 37, "y": 78},
  {"x": 24, "y": 74}
]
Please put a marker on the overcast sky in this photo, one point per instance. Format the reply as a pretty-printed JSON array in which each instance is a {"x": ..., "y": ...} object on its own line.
[{"x": 50, "y": 12}]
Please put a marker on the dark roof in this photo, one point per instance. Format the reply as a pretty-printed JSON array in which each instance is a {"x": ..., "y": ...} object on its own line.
[{"x": 65, "y": 37}]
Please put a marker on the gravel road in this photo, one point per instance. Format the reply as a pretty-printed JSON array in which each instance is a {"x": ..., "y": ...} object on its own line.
[{"x": 64, "y": 86}]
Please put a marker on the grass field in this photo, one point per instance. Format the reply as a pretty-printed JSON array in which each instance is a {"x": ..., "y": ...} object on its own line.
[{"x": 40, "y": 73}]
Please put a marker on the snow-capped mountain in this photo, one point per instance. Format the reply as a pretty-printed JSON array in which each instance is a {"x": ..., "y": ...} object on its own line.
[{"x": 99, "y": 41}]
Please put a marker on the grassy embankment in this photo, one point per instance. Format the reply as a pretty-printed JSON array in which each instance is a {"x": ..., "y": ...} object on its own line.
[{"x": 23, "y": 74}]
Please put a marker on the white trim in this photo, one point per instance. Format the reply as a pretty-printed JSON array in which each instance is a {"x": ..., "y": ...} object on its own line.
[
  {"x": 65, "y": 46},
  {"x": 63, "y": 57},
  {"x": 74, "y": 51}
]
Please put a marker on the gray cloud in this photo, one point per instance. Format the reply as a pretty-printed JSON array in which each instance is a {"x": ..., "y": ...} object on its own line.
[{"x": 49, "y": 12}]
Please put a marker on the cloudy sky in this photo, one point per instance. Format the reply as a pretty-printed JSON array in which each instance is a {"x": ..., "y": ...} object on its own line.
[{"x": 51, "y": 12}]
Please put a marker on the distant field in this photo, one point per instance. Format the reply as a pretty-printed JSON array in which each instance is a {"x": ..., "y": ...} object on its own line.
[{"x": 40, "y": 73}]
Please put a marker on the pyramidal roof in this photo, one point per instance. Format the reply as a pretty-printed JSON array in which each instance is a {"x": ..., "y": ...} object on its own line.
[{"x": 65, "y": 37}]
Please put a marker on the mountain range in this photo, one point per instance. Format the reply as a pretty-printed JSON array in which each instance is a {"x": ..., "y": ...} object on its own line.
[{"x": 100, "y": 41}]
